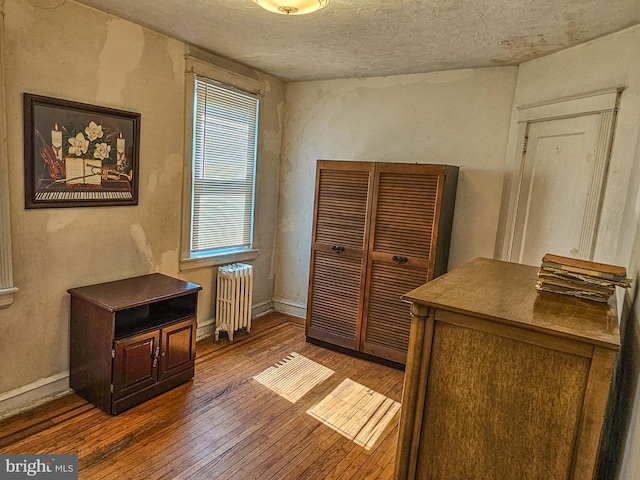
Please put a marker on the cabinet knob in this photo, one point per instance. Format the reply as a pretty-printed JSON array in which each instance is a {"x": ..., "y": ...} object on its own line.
[
  {"x": 399, "y": 260},
  {"x": 338, "y": 248}
]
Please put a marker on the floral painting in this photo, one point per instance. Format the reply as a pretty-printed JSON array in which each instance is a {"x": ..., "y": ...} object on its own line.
[{"x": 79, "y": 155}]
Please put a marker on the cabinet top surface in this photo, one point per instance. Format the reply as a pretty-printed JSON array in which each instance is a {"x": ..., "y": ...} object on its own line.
[
  {"x": 504, "y": 291},
  {"x": 134, "y": 291}
]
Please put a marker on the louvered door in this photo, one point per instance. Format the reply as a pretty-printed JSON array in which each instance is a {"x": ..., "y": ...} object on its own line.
[
  {"x": 338, "y": 256},
  {"x": 401, "y": 252}
]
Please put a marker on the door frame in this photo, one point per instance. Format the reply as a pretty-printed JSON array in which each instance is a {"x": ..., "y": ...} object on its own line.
[{"x": 602, "y": 102}]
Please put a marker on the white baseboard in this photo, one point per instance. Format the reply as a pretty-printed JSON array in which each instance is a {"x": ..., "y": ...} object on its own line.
[
  {"x": 259, "y": 309},
  {"x": 33, "y": 394},
  {"x": 206, "y": 328},
  {"x": 290, "y": 308},
  {"x": 46, "y": 389}
]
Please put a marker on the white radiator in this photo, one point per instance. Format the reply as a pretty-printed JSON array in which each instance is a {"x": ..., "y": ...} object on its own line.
[{"x": 234, "y": 299}]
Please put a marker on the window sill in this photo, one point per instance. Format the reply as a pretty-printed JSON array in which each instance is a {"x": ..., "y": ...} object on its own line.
[
  {"x": 6, "y": 296},
  {"x": 214, "y": 260}
]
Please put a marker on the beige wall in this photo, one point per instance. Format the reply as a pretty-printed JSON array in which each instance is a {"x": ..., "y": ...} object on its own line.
[
  {"x": 65, "y": 50},
  {"x": 455, "y": 117},
  {"x": 612, "y": 61}
]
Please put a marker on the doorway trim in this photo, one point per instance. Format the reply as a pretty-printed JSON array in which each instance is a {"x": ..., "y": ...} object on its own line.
[
  {"x": 602, "y": 102},
  {"x": 7, "y": 288}
]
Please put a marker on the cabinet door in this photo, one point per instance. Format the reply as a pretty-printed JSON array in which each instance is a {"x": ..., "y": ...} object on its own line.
[
  {"x": 338, "y": 254},
  {"x": 401, "y": 252},
  {"x": 178, "y": 350},
  {"x": 135, "y": 365}
]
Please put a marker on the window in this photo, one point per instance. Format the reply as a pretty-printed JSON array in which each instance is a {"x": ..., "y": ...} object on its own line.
[{"x": 223, "y": 170}]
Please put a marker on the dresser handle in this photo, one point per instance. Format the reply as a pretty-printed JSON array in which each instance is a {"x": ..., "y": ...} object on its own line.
[
  {"x": 399, "y": 260},
  {"x": 338, "y": 248}
]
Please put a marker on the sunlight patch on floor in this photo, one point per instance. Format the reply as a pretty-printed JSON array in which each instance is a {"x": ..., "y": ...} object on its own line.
[
  {"x": 357, "y": 412},
  {"x": 294, "y": 376}
]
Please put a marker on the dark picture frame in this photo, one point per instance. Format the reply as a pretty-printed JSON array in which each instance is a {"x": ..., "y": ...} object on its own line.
[{"x": 79, "y": 155}]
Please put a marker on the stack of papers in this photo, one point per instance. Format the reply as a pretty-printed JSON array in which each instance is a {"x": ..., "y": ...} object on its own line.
[{"x": 580, "y": 278}]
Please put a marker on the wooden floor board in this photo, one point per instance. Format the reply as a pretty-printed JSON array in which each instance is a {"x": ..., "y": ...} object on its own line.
[{"x": 223, "y": 424}]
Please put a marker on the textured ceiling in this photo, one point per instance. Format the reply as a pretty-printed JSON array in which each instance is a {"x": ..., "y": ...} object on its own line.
[{"x": 365, "y": 38}]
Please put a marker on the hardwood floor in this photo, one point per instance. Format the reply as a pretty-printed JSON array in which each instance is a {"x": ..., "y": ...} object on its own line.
[{"x": 222, "y": 424}]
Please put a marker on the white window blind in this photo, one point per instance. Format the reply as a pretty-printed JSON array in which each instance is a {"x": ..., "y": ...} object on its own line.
[{"x": 225, "y": 132}]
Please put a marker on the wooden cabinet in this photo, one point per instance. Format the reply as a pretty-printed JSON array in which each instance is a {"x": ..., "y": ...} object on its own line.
[
  {"x": 380, "y": 229},
  {"x": 503, "y": 381},
  {"x": 132, "y": 339}
]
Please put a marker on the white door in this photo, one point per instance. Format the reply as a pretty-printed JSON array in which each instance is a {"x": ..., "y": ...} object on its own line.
[
  {"x": 559, "y": 177},
  {"x": 556, "y": 178}
]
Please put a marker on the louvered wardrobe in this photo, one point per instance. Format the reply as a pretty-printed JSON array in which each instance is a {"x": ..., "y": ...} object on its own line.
[{"x": 380, "y": 230}]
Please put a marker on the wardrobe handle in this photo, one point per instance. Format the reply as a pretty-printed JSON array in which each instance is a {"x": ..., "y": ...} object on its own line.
[
  {"x": 399, "y": 260},
  {"x": 338, "y": 248}
]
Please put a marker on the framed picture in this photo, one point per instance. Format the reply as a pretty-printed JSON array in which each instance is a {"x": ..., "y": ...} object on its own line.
[{"x": 79, "y": 155}]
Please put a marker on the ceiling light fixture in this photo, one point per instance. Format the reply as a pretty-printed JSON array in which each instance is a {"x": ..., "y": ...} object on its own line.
[{"x": 292, "y": 7}]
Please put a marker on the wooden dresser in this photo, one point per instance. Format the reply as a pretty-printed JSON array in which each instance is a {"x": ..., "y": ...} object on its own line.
[
  {"x": 380, "y": 229},
  {"x": 504, "y": 382}
]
